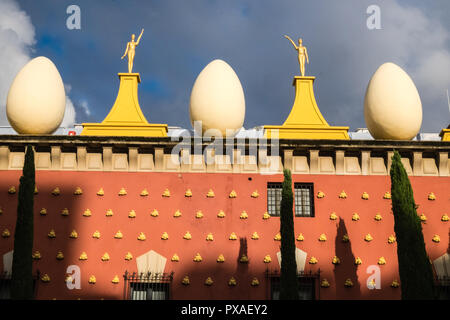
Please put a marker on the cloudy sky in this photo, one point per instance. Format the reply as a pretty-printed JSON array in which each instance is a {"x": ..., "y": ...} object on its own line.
[{"x": 182, "y": 36}]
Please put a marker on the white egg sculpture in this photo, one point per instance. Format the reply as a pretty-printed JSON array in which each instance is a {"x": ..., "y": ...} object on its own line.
[
  {"x": 392, "y": 106},
  {"x": 36, "y": 99},
  {"x": 217, "y": 100}
]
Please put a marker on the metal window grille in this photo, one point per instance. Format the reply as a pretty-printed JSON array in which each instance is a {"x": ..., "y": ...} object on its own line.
[
  {"x": 307, "y": 283},
  {"x": 304, "y": 199},
  {"x": 274, "y": 198},
  {"x": 147, "y": 286}
]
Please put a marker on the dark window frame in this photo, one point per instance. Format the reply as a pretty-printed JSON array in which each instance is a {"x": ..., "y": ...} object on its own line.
[
  {"x": 274, "y": 191},
  {"x": 302, "y": 209}
]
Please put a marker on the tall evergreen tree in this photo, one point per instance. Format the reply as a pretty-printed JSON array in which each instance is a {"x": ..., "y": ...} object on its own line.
[
  {"x": 416, "y": 275},
  {"x": 288, "y": 277},
  {"x": 22, "y": 273}
]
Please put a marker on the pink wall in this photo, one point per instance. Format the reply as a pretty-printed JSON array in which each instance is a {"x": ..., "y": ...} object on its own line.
[{"x": 221, "y": 184}]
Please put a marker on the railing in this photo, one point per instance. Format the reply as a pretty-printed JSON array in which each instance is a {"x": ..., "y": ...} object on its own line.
[
  {"x": 309, "y": 284},
  {"x": 147, "y": 286},
  {"x": 5, "y": 285}
]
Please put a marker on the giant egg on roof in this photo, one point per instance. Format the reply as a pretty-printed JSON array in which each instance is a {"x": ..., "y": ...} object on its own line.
[
  {"x": 392, "y": 106},
  {"x": 36, "y": 99},
  {"x": 217, "y": 100}
]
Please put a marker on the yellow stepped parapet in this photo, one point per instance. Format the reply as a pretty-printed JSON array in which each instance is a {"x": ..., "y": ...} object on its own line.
[
  {"x": 126, "y": 117},
  {"x": 445, "y": 134},
  {"x": 305, "y": 120}
]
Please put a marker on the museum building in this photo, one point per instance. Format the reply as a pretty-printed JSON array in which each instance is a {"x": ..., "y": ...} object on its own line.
[{"x": 129, "y": 209}]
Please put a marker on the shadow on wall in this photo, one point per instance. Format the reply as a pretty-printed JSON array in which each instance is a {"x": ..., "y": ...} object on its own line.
[
  {"x": 221, "y": 273},
  {"x": 48, "y": 247},
  {"x": 347, "y": 268}
]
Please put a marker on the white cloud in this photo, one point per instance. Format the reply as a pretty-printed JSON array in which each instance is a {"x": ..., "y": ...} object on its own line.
[
  {"x": 17, "y": 37},
  {"x": 69, "y": 114},
  {"x": 85, "y": 106}
]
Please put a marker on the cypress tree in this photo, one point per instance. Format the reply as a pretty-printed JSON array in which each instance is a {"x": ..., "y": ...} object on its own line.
[
  {"x": 416, "y": 275},
  {"x": 288, "y": 277},
  {"x": 22, "y": 273}
]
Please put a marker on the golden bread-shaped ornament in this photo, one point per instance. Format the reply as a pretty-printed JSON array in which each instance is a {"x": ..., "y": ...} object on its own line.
[
  {"x": 185, "y": 281},
  {"x": 56, "y": 191},
  {"x": 198, "y": 258},
  {"x": 166, "y": 193},
  {"x": 209, "y": 281},
  {"x": 177, "y": 214},
  {"x": 83, "y": 256},
  {"x": 313, "y": 260},
  {"x": 105, "y": 257},
  {"x": 187, "y": 236},
  {"x": 154, "y": 213},
  {"x": 243, "y": 259},
  {"x": 128, "y": 256},
  {"x": 243, "y": 215},
  {"x": 141, "y": 236},
  {"x": 325, "y": 283},
  {"x": 199, "y": 214}
]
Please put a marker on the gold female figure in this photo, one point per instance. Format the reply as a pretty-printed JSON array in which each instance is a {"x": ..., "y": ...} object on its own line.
[
  {"x": 302, "y": 54},
  {"x": 131, "y": 46}
]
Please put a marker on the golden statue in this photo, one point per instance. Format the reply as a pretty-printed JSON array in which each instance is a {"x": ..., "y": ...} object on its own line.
[
  {"x": 302, "y": 53},
  {"x": 131, "y": 46}
]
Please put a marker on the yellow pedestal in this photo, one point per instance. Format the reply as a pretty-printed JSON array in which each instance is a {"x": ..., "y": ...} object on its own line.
[
  {"x": 305, "y": 120},
  {"x": 445, "y": 134},
  {"x": 126, "y": 117}
]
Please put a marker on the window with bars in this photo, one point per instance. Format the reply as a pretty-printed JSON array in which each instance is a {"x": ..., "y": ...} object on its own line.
[
  {"x": 274, "y": 198},
  {"x": 147, "y": 286},
  {"x": 306, "y": 288},
  {"x": 304, "y": 199}
]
